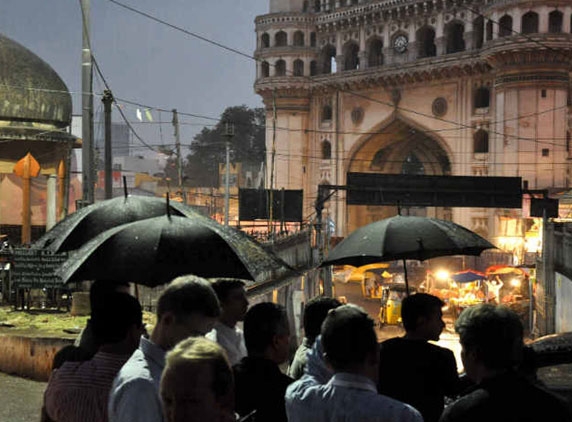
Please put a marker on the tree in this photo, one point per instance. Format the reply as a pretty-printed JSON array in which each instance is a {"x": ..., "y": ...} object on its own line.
[{"x": 208, "y": 148}]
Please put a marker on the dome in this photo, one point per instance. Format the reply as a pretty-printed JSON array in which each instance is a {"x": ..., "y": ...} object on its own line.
[{"x": 30, "y": 90}]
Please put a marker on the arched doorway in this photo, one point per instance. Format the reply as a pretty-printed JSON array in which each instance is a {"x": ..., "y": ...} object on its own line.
[{"x": 400, "y": 147}]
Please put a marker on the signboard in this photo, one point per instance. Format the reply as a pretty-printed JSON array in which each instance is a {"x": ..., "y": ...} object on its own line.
[
  {"x": 35, "y": 268},
  {"x": 434, "y": 191},
  {"x": 537, "y": 207},
  {"x": 253, "y": 204}
]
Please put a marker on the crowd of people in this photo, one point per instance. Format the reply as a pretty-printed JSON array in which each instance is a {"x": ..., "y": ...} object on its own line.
[{"x": 198, "y": 365}]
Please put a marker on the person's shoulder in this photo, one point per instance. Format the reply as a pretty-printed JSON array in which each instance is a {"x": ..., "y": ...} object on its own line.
[
  {"x": 136, "y": 367},
  {"x": 468, "y": 407},
  {"x": 394, "y": 409}
]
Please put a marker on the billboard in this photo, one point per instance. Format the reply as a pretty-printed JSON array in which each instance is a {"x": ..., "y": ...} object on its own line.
[{"x": 286, "y": 205}]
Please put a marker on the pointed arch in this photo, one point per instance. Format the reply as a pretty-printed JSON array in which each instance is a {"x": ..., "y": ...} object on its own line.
[
  {"x": 425, "y": 37},
  {"x": 281, "y": 39},
  {"x": 529, "y": 23},
  {"x": 351, "y": 55},
  {"x": 298, "y": 39},
  {"x": 555, "y": 19},
  {"x": 454, "y": 33},
  {"x": 375, "y": 52},
  {"x": 280, "y": 68},
  {"x": 505, "y": 26},
  {"x": 326, "y": 55},
  {"x": 298, "y": 67},
  {"x": 265, "y": 40},
  {"x": 326, "y": 148},
  {"x": 481, "y": 142}
]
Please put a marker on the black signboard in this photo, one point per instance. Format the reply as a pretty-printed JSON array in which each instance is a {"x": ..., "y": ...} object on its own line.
[
  {"x": 253, "y": 205},
  {"x": 537, "y": 207},
  {"x": 35, "y": 268},
  {"x": 434, "y": 191}
]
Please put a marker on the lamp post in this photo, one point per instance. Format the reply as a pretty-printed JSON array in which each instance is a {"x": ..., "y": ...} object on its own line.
[{"x": 228, "y": 134}]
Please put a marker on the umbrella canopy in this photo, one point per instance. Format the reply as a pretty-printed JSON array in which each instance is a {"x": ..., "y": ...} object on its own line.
[
  {"x": 406, "y": 237},
  {"x": 154, "y": 251},
  {"x": 504, "y": 269},
  {"x": 88, "y": 222},
  {"x": 468, "y": 276}
]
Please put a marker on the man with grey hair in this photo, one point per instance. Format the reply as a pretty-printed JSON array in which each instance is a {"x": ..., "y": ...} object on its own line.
[
  {"x": 188, "y": 307},
  {"x": 492, "y": 348}
]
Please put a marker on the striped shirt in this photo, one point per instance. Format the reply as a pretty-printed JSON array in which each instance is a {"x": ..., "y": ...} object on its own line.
[{"x": 78, "y": 391}]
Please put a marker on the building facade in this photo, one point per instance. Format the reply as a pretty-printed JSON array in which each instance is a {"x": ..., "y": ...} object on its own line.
[{"x": 438, "y": 87}]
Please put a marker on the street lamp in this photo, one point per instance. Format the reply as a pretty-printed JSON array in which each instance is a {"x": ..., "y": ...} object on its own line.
[{"x": 228, "y": 134}]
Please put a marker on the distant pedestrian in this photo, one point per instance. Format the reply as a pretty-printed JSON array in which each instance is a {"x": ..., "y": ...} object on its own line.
[
  {"x": 197, "y": 383},
  {"x": 492, "y": 347},
  {"x": 315, "y": 313},
  {"x": 259, "y": 383},
  {"x": 350, "y": 347},
  {"x": 188, "y": 307},
  {"x": 413, "y": 370},
  {"x": 234, "y": 303},
  {"x": 78, "y": 391},
  {"x": 493, "y": 289}
]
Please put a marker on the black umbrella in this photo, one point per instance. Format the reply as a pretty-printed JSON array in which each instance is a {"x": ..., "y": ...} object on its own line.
[
  {"x": 406, "y": 237},
  {"x": 88, "y": 222},
  {"x": 154, "y": 251}
]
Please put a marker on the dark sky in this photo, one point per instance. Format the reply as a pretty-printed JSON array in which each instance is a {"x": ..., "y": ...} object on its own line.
[{"x": 145, "y": 61}]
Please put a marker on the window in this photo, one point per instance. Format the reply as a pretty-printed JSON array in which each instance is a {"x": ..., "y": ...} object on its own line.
[
  {"x": 313, "y": 68},
  {"x": 455, "y": 40},
  {"x": 326, "y": 150},
  {"x": 312, "y": 39},
  {"x": 489, "y": 30},
  {"x": 298, "y": 67},
  {"x": 505, "y": 26},
  {"x": 530, "y": 23},
  {"x": 426, "y": 39},
  {"x": 478, "y": 28},
  {"x": 543, "y": 93},
  {"x": 265, "y": 40},
  {"x": 351, "y": 58},
  {"x": 326, "y": 113},
  {"x": 481, "y": 142},
  {"x": 280, "y": 68},
  {"x": 375, "y": 53},
  {"x": 568, "y": 141},
  {"x": 545, "y": 152},
  {"x": 281, "y": 39},
  {"x": 328, "y": 53},
  {"x": 317, "y": 5},
  {"x": 555, "y": 21},
  {"x": 482, "y": 97},
  {"x": 298, "y": 39},
  {"x": 265, "y": 70}
]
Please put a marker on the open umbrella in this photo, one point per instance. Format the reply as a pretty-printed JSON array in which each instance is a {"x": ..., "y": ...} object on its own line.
[
  {"x": 468, "y": 276},
  {"x": 406, "y": 237},
  {"x": 154, "y": 251},
  {"x": 86, "y": 223}
]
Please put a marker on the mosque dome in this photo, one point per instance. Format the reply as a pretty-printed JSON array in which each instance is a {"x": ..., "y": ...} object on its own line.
[{"x": 30, "y": 90}]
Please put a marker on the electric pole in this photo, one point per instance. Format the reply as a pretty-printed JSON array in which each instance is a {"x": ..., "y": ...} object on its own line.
[
  {"x": 107, "y": 100},
  {"x": 228, "y": 134},
  {"x": 87, "y": 110},
  {"x": 178, "y": 152}
]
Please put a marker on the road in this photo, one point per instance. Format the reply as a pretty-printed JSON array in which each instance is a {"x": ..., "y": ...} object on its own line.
[{"x": 21, "y": 399}]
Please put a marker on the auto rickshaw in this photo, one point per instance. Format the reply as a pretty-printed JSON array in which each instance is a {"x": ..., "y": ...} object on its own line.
[{"x": 391, "y": 296}]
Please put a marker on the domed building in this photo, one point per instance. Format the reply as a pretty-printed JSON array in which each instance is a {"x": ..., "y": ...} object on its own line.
[
  {"x": 438, "y": 87},
  {"x": 35, "y": 113}
]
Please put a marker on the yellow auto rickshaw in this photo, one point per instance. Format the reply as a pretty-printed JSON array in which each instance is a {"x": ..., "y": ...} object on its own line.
[{"x": 391, "y": 296}]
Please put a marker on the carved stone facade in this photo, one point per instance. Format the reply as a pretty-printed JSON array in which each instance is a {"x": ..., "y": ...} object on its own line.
[{"x": 438, "y": 87}]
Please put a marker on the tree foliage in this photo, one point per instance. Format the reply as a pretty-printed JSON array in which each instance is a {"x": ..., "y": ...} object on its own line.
[{"x": 208, "y": 149}]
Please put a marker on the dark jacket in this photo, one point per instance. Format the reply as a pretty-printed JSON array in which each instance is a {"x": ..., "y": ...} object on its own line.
[{"x": 260, "y": 385}]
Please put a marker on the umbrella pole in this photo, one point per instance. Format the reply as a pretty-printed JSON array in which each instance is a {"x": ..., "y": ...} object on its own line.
[{"x": 405, "y": 274}]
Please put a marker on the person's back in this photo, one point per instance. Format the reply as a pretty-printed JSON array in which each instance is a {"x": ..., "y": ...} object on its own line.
[
  {"x": 260, "y": 385},
  {"x": 413, "y": 370},
  {"x": 349, "y": 345},
  {"x": 78, "y": 391}
]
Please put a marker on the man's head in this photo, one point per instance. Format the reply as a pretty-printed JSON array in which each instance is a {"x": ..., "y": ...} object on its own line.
[
  {"x": 197, "y": 383},
  {"x": 422, "y": 316},
  {"x": 349, "y": 341},
  {"x": 232, "y": 298},
  {"x": 266, "y": 332},
  {"x": 101, "y": 289},
  {"x": 188, "y": 307},
  {"x": 491, "y": 339},
  {"x": 120, "y": 321},
  {"x": 315, "y": 312}
]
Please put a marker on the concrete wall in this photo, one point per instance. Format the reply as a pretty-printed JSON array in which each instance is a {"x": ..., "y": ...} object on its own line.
[{"x": 29, "y": 357}]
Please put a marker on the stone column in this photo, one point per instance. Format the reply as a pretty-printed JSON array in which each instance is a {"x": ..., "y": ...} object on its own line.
[
  {"x": 441, "y": 44},
  {"x": 51, "y": 199},
  {"x": 339, "y": 63}
]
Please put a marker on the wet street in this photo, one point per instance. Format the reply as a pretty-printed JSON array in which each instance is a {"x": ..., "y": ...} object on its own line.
[{"x": 21, "y": 399}]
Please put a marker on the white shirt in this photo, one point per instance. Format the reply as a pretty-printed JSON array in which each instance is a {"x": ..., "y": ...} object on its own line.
[{"x": 231, "y": 339}]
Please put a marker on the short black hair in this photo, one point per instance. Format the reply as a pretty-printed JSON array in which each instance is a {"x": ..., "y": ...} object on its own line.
[
  {"x": 223, "y": 286},
  {"x": 111, "y": 322},
  {"x": 348, "y": 336},
  {"x": 494, "y": 332},
  {"x": 186, "y": 295},
  {"x": 418, "y": 305},
  {"x": 315, "y": 313},
  {"x": 261, "y": 323},
  {"x": 101, "y": 289}
]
